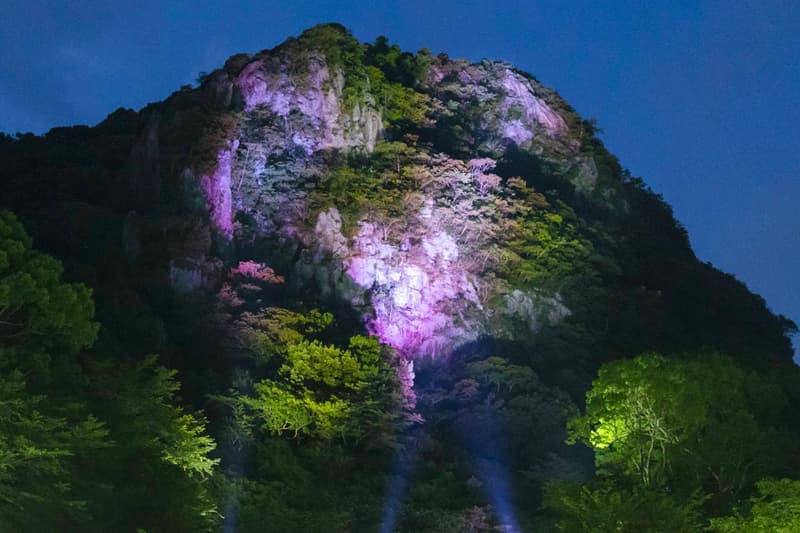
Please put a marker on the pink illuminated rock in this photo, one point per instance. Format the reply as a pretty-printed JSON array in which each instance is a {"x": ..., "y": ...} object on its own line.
[
  {"x": 419, "y": 279},
  {"x": 520, "y": 96},
  {"x": 312, "y": 90},
  {"x": 405, "y": 375},
  {"x": 260, "y": 89},
  {"x": 217, "y": 189},
  {"x": 512, "y": 108},
  {"x": 415, "y": 289}
]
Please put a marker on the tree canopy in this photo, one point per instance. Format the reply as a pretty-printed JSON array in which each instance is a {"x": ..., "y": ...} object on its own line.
[{"x": 71, "y": 431}]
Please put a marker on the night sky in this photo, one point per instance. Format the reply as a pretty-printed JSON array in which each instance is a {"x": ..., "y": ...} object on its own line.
[{"x": 701, "y": 99}]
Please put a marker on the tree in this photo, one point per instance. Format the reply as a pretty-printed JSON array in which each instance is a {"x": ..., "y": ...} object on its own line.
[
  {"x": 326, "y": 392},
  {"x": 161, "y": 461},
  {"x": 86, "y": 443},
  {"x": 43, "y": 437},
  {"x": 604, "y": 507},
  {"x": 39, "y": 452},
  {"x": 320, "y": 389},
  {"x": 776, "y": 509},
  {"x": 38, "y": 312},
  {"x": 687, "y": 424}
]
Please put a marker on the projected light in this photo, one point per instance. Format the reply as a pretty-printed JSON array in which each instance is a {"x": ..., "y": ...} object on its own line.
[
  {"x": 498, "y": 489},
  {"x": 401, "y": 470}
]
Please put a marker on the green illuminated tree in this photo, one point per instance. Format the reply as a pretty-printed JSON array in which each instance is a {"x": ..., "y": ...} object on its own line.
[
  {"x": 686, "y": 424},
  {"x": 325, "y": 390},
  {"x": 39, "y": 313},
  {"x": 776, "y": 509},
  {"x": 320, "y": 389},
  {"x": 40, "y": 450},
  {"x": 166, "y": 447}
]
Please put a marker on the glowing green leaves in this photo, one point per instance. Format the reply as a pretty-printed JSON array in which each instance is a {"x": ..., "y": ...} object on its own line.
[
  {"x": 320, "y": 390},
  {"x": 667, "y": 420},
  {"x": 776, "y": 509}
]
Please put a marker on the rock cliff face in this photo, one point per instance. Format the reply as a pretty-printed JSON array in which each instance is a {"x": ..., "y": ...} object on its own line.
[
  {"x": 417, "y": 275},
  {"x": 444, "y": 200},
  {"x": 311, "y": 109},
  {"x": 519, "y": 116}
]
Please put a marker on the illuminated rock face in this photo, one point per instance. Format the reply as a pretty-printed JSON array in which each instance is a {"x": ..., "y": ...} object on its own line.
[
  {"x": 504, "y": 106},
  {"x": 217, "y": 188},
  {"x": 316, "y": 98},
  {"x": 533, "y": 112},
  {"x": 422, "y": 288},
  {"x": 417, "y": 279},
  {"x": 418, "y": 293},
  {"x": 416, "y": 290}
]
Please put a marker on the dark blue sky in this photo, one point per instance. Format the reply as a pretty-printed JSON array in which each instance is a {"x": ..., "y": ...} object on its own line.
[{"x": 701, "y": 99}]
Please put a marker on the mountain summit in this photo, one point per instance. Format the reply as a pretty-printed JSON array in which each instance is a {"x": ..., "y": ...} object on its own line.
[{"x": 444, "y": 200}]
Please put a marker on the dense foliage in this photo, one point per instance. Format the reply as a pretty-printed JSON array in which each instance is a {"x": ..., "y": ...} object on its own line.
[
  {"x": 87, "y": 442},
  {"x": 693, "y": 433}
]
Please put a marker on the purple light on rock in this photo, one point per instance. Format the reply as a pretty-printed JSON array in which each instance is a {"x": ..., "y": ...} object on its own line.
[
  {"x": 217, "y": 189},
  {"x": 316, "y": 95},
  {"x": 415, "y": 289},
  {"x": 259, "y": 88},
  {"x": 519, "y": 94},
  {"x": 405, "y": 375}
]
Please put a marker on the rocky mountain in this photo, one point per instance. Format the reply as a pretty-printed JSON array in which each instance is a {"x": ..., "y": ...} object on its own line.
[{"x": 462, "y": 214}]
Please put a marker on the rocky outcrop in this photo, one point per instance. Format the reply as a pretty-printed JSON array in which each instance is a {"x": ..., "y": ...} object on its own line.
[
  {"x": 217, "y": 188},
  {"x": 499, "y": 107},
  {"x": 144, "y": 173},
  {"x": 419, "y": 279},
  {"x": 522, "y": 113},
  {"x": 306, "y": 96},
  {"x": 420, "y": 293},
  {"x": 534, "y": 309}
]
